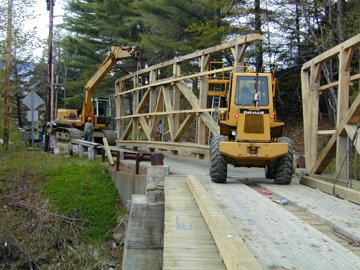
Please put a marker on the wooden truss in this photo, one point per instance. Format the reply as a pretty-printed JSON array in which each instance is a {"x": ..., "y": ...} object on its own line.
[
  {"x": 164, "y": 92},
  {"x": 347, "y": 115}
]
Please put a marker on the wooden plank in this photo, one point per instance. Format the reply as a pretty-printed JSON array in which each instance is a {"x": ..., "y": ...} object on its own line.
[
  {"x": 188, "y": 243},
  {"x": 352, "y": 42},
  {"x": 329, "y": 150},
  {"x": 343, "y": 192},
  {"x": 339, "y": 214},
  {"x": 326, "y": 132},
  {"x": 160, "y": 113},
  {"x": 145, "y": 127},
  {"x": 313, "y": 114},
  {"x": 184, "y": 125},
  {"x": 198, "y": 53},
  {"x": 233, "y": 250},
  {"x": 172, "y": 80},
  {"x": 277, "y": 238},
  {"x": 305, "y": 90},
  {"x": 351, "y": 130},
  {"x": 171, "y": 146},
  {"x": 127, "y": 130},
  {"x": 342, "y": 108},
  {"x": 205, "y": 116},
  {"x": 169, "y": 107},
  {"x": 108, "y": 152},
  {"x": 336, "y": 83},
  {"x": 85, "y": 143}
]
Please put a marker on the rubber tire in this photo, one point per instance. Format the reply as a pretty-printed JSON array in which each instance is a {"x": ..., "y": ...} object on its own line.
[
  {"x": 270, "y": 171},
  {"x": 218, "y": 164},
  {"x": 284, "y": 164}
]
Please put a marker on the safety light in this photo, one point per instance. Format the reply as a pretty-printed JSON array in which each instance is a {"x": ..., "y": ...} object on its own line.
[
  {"x": 272, "y": 116},
  {"x": 233, "y": 133},
  {"x": 236, "y": 115}
]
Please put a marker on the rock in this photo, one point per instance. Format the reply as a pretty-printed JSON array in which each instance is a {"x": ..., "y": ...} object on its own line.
[
  {"x": 118, "y": 237},
  {"x": 108, "y": 266}
]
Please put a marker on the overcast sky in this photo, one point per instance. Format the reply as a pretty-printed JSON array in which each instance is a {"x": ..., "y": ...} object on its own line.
[{"x": 42, "y": 20}]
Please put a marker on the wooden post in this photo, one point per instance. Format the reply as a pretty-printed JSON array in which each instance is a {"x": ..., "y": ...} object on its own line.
[
  {"x": 342, "y": 107},
  {"x": 117, "y": 161},
  {"x": 81, "y": 151},
  {"x": 169, "y": 108},
  {"x": 135, "y": 127},
  {"x": 137, "y": 163},
  {"x": 152, "y": 104},
  {"x": 91, "y": 153},
  {"x": 313, "y": 113},
  {"x": 204, "y": 87},
  {"x": 120, "y": 108},
  {"x": 176, "y": 97},
  {"x": 305, "y": 88}
]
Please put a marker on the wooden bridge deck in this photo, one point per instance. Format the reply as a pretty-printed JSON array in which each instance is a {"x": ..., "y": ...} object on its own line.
[
  {"x": 188, "y": 244},
  {"x": 277, "y": 238}
]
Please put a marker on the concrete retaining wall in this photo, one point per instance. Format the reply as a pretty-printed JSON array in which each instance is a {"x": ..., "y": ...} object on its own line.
[
  {"x": 144, "y": 236},
  {"x": 128, "y": 184}
]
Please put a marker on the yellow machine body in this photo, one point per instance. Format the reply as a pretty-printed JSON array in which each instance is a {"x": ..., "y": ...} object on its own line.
[{"x": 249, "y": 122}]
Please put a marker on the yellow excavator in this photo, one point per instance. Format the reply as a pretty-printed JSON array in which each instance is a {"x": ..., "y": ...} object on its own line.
[{"x": 70, "y": 124}]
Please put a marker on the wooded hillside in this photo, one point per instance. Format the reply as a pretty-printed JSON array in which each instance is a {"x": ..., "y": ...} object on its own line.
[{"x": 294, "y": 31}]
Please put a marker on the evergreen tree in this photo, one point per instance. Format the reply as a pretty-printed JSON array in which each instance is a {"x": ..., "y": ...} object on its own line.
[
  {"x": 173, "y": 28},
  {"x": 94, "y": 27}
]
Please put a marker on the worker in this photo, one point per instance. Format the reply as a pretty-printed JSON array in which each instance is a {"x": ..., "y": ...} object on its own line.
[
  {"x": 159, "y": 131},
  {"x": 88, "y": 130}
]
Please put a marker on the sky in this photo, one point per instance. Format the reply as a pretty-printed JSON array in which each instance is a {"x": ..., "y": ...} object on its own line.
[{"x": 42, "y": 20}]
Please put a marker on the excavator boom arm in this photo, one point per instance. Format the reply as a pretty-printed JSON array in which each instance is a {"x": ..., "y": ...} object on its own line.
[{"x": 116, "y": 53}]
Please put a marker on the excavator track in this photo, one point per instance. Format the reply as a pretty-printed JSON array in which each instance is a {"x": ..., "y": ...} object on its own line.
[
  {"x": 110, "y": 135},
  {"x": 65, "y": 134}
]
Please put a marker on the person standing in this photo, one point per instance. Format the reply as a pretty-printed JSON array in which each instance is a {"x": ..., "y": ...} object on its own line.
[
  {"x": 88, "y": 130},
  {"x": 159, "y": 131}
]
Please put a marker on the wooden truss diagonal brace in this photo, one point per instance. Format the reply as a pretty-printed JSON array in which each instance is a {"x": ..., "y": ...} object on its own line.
[
  {"x": 329, "y": 150},
  {"x": 193, "y": 100},
  {"x": 184, "y": 125}
]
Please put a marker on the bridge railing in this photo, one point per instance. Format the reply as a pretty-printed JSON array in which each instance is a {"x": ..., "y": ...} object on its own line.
[{"x": 317, "y": 79}]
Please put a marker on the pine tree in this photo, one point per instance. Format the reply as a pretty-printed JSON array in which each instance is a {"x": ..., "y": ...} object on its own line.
[
  {"x": 95, "y": 26},
  {"x": 173, "y": 28}
]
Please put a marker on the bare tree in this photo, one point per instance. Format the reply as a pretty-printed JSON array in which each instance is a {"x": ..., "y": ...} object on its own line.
[
  {"x": 6, "y": 135},
  {"x": 259, "y": 49}
]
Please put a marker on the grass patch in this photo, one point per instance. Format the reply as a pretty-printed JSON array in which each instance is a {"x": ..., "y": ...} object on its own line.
[
  {"x": 84, "y": 189},
  {"x": 39, "y": 192},
  {"x": 75, "y": 187}
]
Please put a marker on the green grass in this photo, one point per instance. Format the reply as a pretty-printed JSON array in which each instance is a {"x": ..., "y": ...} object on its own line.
[
  {"x": 80, "y": 186},
  {"x": 72, "y": 185}
]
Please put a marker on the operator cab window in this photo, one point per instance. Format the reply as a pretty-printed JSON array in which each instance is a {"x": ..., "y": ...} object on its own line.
[
  {"x": 247, "y": 94},
  {"x": 102, "y": 108}
]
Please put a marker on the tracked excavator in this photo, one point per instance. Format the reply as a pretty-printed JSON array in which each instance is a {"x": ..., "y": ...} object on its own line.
[{"x": 69, "y": 124}]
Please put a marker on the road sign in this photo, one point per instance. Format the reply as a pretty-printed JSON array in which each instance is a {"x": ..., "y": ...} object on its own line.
[
  {"x": 32, "y": 100},
  {"x": 32, "y": 116}
]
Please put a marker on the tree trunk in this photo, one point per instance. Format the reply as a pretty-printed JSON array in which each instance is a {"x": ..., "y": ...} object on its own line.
[
  {"x": 6, "y": 135},
  {"x": 259, "y": 49},
  {"x": 297, "y": 34},
  {"x": 48, "y": 96},
  {"x": 340, "y": 20}
]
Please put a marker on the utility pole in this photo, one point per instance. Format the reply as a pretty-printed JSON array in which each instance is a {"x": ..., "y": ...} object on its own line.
[
  {"x": 48, "y": 96},
  {"x": 6, "y": 136}
]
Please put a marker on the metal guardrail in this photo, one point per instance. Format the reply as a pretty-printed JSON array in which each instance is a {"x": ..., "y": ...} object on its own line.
[{"x": 154, "y": 158}]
